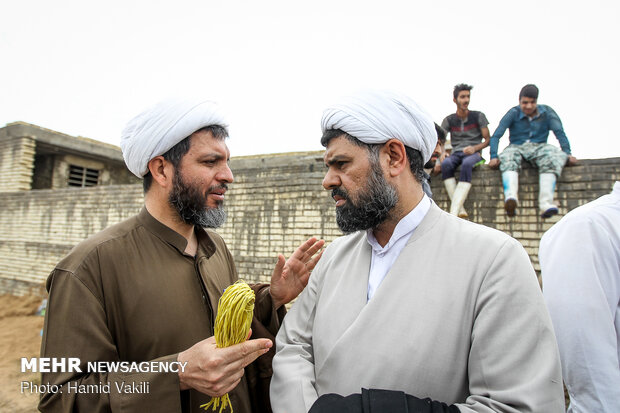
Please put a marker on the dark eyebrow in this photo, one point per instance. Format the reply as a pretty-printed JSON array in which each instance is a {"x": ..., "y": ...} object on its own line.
[
  {"x": 336, "y": 159},
  {"x": 211, "y": 156}
]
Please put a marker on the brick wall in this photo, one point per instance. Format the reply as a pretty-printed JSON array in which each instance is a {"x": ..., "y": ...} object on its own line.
[{"x": 275, "y": 203}]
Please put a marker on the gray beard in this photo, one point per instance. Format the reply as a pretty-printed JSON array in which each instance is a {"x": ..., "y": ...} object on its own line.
[
  {"x": 190, "y": 204},
  {"x": 210, "y": 217},
  {"x": 373, "y": 206}
]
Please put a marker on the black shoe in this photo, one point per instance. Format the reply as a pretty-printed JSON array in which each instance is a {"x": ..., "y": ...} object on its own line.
[{"x": 549, "y": 213}]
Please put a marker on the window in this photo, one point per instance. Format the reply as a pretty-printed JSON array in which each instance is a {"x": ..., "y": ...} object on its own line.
[{"x": 80, "y": 176}]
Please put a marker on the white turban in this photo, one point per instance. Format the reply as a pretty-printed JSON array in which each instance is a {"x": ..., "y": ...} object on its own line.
[
  {"x": 378, "y": 116},
  {"x": 159, "y": 128}
]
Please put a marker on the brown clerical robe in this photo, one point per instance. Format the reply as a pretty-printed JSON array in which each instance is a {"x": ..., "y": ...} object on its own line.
[{"x": 130, "y": 293}]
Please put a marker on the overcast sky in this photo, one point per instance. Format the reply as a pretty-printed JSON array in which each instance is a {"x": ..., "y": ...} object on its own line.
[{"x": 86, "y": 68}]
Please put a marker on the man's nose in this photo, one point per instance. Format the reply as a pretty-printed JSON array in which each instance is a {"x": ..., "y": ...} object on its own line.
[
  {"x": 331, "y": 180},
  {"x": 226, "y": 175}
]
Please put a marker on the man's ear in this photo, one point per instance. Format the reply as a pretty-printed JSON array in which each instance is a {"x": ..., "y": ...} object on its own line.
[
  {"x": 161, "y": 170},
  {"x": 397, "y": 157}
]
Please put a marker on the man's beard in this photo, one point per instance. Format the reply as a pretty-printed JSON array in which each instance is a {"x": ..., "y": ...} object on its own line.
[
  {"x": 191, "y": 204},
  {"x": 430, "y": 164},
  {"x": 372, "y": 207}
]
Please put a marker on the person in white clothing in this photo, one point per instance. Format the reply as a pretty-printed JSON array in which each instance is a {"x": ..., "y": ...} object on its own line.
[
  {"x": 387, "y": 323},
  {"x": 580, "y": 266}
]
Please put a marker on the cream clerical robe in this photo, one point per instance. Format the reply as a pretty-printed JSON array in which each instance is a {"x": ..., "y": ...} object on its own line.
[{"x": 459, "y": 318}]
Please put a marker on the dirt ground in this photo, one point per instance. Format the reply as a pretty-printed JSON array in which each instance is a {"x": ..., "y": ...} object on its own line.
[{"x": 19, "y": 337}]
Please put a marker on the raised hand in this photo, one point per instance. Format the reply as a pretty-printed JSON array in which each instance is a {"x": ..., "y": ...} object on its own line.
[{"x": 291, "y": 276}]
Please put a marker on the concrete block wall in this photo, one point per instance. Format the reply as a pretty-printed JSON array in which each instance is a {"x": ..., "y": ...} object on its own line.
[
  {"x": 578, "y": 185},
  {"x": 16, "y": 162},
  {"x": 39, "y": 227},
  {"x": 275, "y": 203},
  {"x": 35, "y": 157}
]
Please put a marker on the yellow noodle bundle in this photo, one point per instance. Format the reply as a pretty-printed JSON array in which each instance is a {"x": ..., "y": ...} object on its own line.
[{"x": 232, "y": 324}]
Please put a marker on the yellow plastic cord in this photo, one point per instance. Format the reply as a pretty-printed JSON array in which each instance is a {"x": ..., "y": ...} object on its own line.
[{"x": 232, "y": 324}]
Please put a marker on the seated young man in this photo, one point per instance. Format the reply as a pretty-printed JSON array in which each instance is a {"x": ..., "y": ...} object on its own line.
[
  {"x": 529, "y": 125},
  {"x": 467, "y": 130}
]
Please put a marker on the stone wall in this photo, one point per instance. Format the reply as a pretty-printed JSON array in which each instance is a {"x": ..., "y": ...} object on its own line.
[{"x": 275, "y": 203}]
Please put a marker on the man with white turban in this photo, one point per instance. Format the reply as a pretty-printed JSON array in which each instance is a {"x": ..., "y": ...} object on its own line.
[
  {"x": 387, "y": 323},
  {"x": 146, "y": 290}
]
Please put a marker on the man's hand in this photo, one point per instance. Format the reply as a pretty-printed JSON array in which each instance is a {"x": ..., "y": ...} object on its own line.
[
  {"x": 216, "y": 371},
  {"x": 437, "y": 167},
  {"x": 571, "y": 161},
  {"x": 494, "y": 163},
  {"x": 290, "y": 277},
  {"x": 469, "y": 150}
]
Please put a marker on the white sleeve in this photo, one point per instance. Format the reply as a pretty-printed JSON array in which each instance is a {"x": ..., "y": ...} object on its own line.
[
  {"x": 581, "y": 285},
  {"x": 293, "y": 383}
]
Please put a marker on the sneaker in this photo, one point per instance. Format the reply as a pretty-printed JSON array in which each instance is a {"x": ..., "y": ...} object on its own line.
[{"x": 510, "y": 206}]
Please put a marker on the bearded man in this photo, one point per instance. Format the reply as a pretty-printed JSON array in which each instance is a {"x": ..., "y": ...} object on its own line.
[
  {"x": 387, "y": 323},
  {"x": 147, "y": 288}
]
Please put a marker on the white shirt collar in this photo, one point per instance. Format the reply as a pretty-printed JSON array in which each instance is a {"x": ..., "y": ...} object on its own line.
[{"x": 404, "y": 227}]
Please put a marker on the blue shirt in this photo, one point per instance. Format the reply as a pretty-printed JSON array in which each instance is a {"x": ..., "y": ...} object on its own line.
[{"x": 524, "y": 129}]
